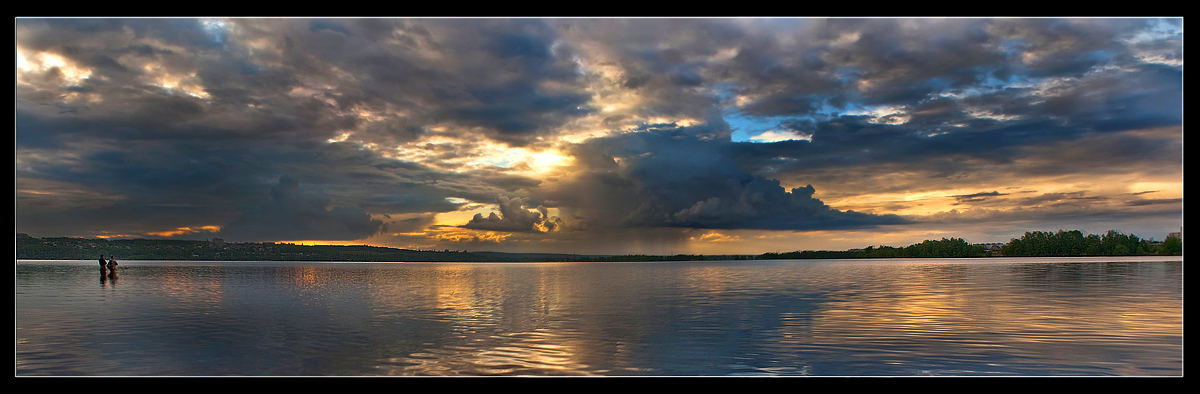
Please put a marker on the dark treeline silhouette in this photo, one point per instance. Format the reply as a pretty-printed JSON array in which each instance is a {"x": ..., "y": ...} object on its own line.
[
  {"x": 952, "y": 247},
  {"x": 1031, "y": 244},
  {"x": 644, "y": 257},
  {"x": 811, "y": 254},
  {"x": 1034, "y": 243},
  {"x": 1075, "y": 243}
]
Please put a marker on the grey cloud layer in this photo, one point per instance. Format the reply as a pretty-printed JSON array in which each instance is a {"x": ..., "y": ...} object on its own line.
[{"x": 251, "y": 100}]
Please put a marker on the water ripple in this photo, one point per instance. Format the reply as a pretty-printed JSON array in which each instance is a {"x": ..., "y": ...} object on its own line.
[{"x": 787, "y": 318}]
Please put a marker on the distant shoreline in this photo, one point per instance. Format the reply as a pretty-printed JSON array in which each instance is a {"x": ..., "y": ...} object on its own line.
[
  {"x": 1063, "y": 259},
  {"x": 1033, "y": 244}
]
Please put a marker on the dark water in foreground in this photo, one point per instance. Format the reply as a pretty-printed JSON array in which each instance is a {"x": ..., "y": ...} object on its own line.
[{"x": 914, "y": 317}]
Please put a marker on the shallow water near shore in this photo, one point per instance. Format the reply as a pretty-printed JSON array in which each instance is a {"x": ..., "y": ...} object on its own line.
[{"x": 888, "y": 317}]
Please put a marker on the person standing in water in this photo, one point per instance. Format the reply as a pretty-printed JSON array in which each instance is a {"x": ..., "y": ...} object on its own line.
[
  {"x": 112, "y": 265},
  {"x": 103, "y": 268}
]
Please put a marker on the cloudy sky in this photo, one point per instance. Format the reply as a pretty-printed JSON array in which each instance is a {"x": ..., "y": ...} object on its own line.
[{"x": 598, "y": 135}]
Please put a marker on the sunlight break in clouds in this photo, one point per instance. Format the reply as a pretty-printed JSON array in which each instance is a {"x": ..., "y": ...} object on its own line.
[{"x": 776, "y": 136}]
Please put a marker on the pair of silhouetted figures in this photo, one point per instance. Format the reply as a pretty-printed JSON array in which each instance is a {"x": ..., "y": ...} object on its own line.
[{"x": 110, "y": 265}]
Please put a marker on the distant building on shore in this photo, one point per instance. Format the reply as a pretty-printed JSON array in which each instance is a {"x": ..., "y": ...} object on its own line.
[
  {"x": 992, "y": 248},
  {"x": 1176, "y": 235}
]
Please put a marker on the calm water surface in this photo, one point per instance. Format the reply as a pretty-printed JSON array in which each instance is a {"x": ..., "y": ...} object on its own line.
[{"x": 914, "y": 317}]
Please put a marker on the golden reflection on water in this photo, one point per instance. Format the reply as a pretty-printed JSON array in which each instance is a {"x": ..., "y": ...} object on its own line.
[
  {"x": 306, "y": 277},
  {"x": 185, "y": 287},
  {"x": 801, "y": 318},
  {"x": 526, "y": 353},
  {"x": 941, "y": 306},
  {"x": 468, "y": 294},
  {"x": 490, "y": 338},
  {"x": 710, "y": 280}
]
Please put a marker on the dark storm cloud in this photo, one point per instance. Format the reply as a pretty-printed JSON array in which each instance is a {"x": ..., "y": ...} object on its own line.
[
  {"x": 513, "y": 104},
  {"x": 849, "y": 141},
  {"x": 870, "y": 62},
  {"x": 678, "y": 177},
  {"x": 174, "y": 146},
  {"x": 910, "y": 62},
  {"x": 518, "y": 111},
  {"x": 488, "y": 73},
  {"x": 488, "y": 77},
  {"x": 663, "y": 59},
  {"x": 294, "y": 214}
]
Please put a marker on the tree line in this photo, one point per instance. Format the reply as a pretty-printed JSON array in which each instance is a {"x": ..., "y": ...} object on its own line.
[
  {"x": 1075, "y": 243},
  {"x": 946, "y": 247},
  {"x": 1031, "y": 244}
]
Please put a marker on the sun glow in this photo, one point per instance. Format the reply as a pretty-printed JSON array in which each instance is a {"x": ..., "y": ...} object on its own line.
[
  {"x": 43, "y": 62},
  {"x": 776, "y": 136},
  {"x": 186, "y": 230},
  {"x": 713, "y": 236},
  {"x": 340, "y": 137},
  {"x": 457, "y": 218},
  {"x": 470, "y": 155},
  {"x": 324, "y": 243},
  {"x": 548, "y": 160},
  {"x": 904, "y": 204},
  {"x": 186, "y": 84},
  {"x": 1164, "y": 189}
]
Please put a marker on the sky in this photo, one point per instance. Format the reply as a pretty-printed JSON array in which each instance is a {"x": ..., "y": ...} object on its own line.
[{"x": 598, "y": 135}]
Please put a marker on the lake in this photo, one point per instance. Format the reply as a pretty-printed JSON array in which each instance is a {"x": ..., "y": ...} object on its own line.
[{"x": 1116, "y": 316}]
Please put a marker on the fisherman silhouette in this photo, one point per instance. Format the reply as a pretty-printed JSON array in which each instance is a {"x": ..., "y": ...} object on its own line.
[
  {"x": 112, "y": 266},
  {"x": 102, "y": 262}
]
